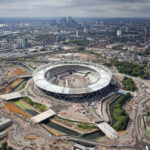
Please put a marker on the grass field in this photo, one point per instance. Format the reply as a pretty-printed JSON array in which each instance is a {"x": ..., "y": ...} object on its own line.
[{"x": 23, "y": 105}]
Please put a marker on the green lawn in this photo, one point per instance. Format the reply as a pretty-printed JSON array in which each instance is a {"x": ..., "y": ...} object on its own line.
[
  {"x": 147, "y": 131},
  {"x": 79, "y": 125},
  {"x": 23, "y": 105},
  {"x": 84, "y": 125},
  {"x": 39, "y": 106}
]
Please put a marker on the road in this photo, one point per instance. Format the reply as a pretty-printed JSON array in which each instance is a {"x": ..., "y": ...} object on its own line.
[{"x": 139, "y": 113}]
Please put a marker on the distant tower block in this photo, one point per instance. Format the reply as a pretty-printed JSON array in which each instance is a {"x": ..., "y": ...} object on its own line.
[
  {"x": 85, "y": 30},
  {"x": 119, "y": 33},
  {"x": 77, "y": 33},
  {"x": 26, "y": 44},
  {"x": 148, "y": 64}
]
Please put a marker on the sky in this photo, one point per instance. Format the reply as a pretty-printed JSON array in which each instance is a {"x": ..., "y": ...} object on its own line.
[{"x": 75, "y": 8}]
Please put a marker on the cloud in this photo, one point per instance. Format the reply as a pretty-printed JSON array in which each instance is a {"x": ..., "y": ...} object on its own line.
[{"x": 78, "y": 8}]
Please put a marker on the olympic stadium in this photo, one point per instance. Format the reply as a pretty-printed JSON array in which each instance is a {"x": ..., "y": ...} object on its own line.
[{"x": 70, "y": 79}]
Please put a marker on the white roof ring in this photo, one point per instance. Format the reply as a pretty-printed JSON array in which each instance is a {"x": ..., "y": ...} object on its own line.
[{"x": 39, "y": 77}]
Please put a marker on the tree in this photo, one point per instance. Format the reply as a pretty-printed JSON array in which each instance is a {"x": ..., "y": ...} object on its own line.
[
  {"x": 132, "y": 69},
  {"x": 9, "y": 148},
  {"x": 121, "y": 119},
  {"x": 4, "y": 146},
  {"x": 129, "y": 84}
]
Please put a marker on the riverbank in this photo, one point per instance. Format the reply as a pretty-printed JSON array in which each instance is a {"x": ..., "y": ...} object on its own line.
[{"x": 81, "y": 131}]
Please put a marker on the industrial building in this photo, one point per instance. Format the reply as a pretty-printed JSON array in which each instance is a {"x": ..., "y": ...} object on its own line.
[{"x": 4, "y": 123}]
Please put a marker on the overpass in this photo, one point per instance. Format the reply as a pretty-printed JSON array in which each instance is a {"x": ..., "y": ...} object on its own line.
[
  {"x": 43, "y": 116},
  {"x": 108, "y": 130},
  {"x": 10, "y": 96}
]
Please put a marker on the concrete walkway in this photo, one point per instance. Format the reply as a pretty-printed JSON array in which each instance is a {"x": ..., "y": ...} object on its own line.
[
  {"x": 43, "y": 116},
  {"x": 10, "y": 96},
  {"x": 108, "y": 130}
]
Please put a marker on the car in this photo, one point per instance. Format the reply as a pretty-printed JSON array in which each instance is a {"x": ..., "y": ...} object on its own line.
[{"x": 113, "y": 145}]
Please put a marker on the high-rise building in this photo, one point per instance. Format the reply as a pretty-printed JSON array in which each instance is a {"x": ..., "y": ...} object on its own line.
[
  {"x": 119, "y": 33},
  {"x": 71, "y": 22},
  {"x": 26, "y": 44},
  {"x": 145, "y": 31},
  {"x": 85, "y": 30},
  {"x": 127, "y": 29},
  {"x": 77, "y": 33},
  {"x": 63, "y": 22},
  {"x": 53, "y": 22}
]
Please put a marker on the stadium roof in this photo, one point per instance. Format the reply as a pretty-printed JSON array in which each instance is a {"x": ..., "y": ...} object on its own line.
[{"x": 102, "y": 82}]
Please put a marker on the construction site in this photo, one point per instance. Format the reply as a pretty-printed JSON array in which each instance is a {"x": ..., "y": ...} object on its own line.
[{"x": 65, "y": 98}]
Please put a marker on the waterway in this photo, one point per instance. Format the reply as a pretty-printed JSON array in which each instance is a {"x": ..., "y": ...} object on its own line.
[
  {"x": 26, "y": 108},
  {"x": 19, "y": 86},
  {"x": 23, "y": 66},
  {"x": 92, "y": 136},
  {"x": 26, "y": 68},
  {"x": 111, "y": 112},
  {"x": 52, "y": 125},
  {"x": 31, "y": 112}
]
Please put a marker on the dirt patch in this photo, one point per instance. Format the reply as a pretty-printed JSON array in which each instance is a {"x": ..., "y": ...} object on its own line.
[
  {"x": 76, "y": 112},
  {"x": 16, "y": 71},
  {"x": 12, "y": 85},
  {"x": 31, "y": 137},
  {"x": 55, "y": 132},
  {"x": 13, "y": 108},
  {"x": 85, "y": 57}
]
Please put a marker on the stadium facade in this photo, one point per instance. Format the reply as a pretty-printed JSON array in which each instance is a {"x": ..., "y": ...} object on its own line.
[{"x": 72, "y": 79}]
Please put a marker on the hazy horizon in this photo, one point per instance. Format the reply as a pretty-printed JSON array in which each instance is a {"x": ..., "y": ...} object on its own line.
[{"x": 75, "y": 8}]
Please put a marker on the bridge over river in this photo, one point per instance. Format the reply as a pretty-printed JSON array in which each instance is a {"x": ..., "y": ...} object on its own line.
[
  {"x": 43, "y": 116},
  {"x": 107, "y": 130},
  {"x": 10, "y": 96}
]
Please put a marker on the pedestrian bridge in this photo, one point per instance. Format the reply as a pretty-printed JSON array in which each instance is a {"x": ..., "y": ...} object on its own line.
[
  {"x": 43, "y": 116},
  {"x": 107, "y": 130},
  {"x": 10, "y": 96},
  {"x": 25, "y": 76}
]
